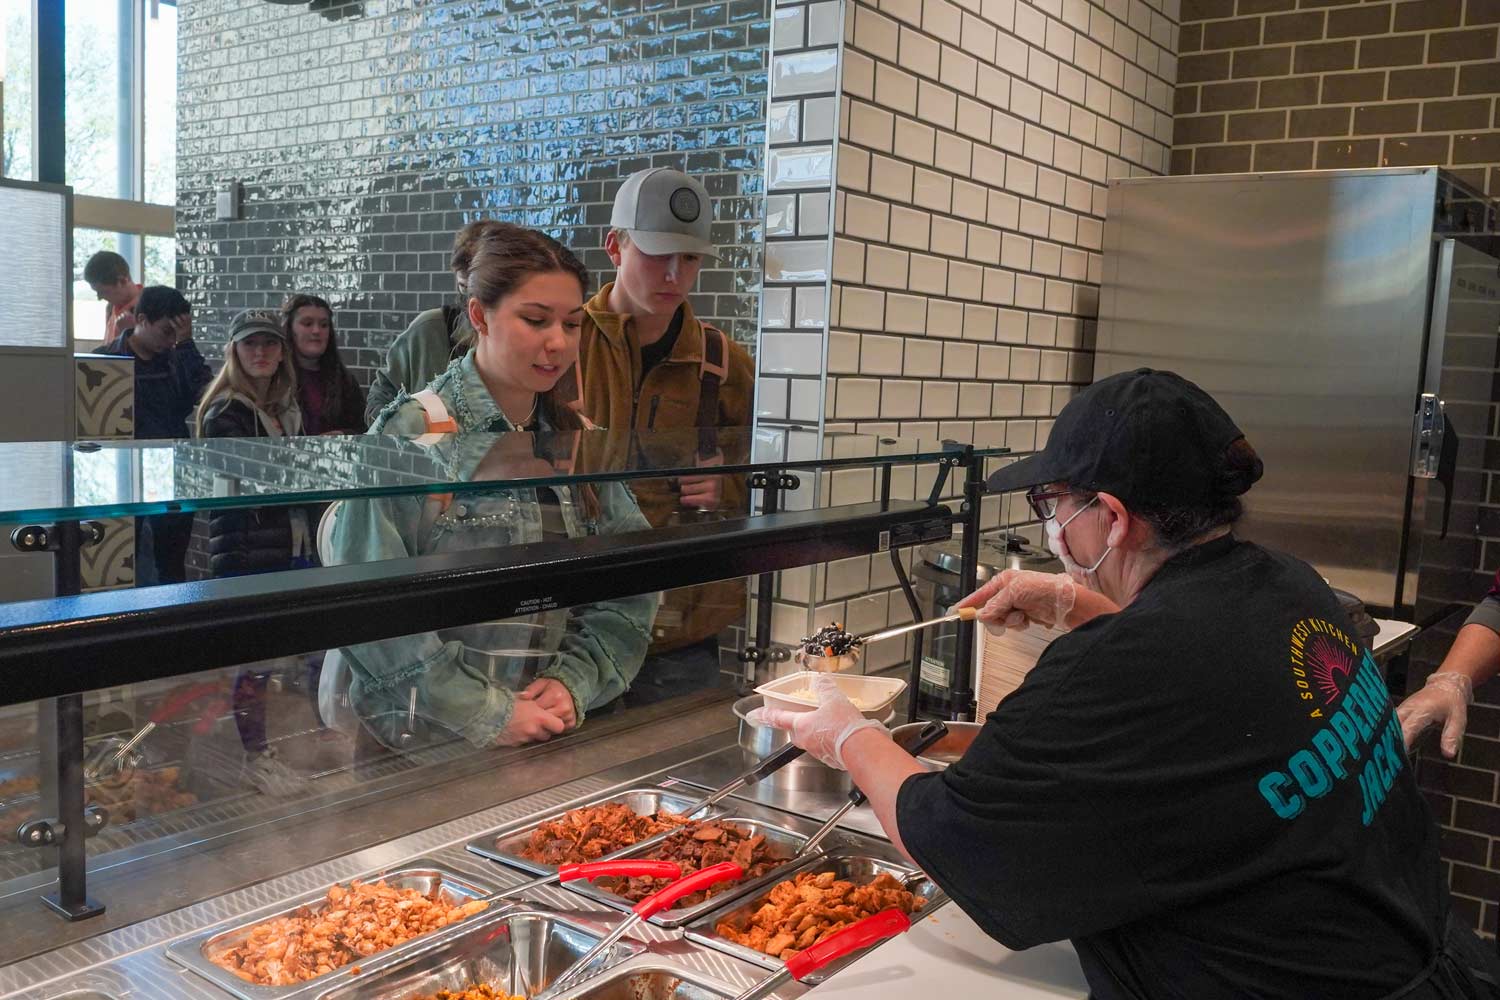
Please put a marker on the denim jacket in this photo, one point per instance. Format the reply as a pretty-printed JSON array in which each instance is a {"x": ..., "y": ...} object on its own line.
[{"x": 595, "y": 650}]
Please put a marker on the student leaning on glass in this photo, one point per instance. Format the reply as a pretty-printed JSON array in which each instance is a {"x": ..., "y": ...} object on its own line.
[{"x": 525, "y": 303}]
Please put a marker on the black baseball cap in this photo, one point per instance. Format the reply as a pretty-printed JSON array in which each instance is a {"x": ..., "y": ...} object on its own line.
[{"x": 1151, "y": 438}]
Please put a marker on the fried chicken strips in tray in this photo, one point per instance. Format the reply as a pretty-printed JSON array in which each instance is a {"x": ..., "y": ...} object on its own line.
[
  {"x": 815, "y": 902},
  {"x": 334, "y": 930}
]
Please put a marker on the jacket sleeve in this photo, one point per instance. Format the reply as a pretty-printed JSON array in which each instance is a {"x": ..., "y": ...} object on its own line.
[
  {"x": 352, "y": 418},
  {"x": 409, "y": 363},
  {"x": 735, "y": 403},
  {"x": 606, "y": 641},
  {"x": 190, "y": 373},
  {"x": 449, "y": 692}
]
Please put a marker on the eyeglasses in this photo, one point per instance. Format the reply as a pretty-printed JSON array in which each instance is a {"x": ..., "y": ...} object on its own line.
[{"x": 1044, "y": 502}]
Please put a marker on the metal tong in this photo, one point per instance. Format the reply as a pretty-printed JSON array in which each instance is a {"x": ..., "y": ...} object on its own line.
[
  {"x": 929, "y": 735},
  {"x": 598, "y": 869},
  {"x": 870, "y": 930},
  {"x": 764, "y": 769},
  {"x": 650, "y": 906}
]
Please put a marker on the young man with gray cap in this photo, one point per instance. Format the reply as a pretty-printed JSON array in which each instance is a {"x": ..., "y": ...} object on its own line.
[{"x": 646, "y": 362}]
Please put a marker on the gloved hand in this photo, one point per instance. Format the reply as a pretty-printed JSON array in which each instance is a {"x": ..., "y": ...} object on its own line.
[
  {"x": 823, "y": 731},
  {"x": 1444, "y": 700},
  {"x": 1018, "y": 597}
]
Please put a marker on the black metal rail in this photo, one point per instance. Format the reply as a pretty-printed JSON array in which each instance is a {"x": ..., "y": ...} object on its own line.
[{"x": 69, "y": 645}]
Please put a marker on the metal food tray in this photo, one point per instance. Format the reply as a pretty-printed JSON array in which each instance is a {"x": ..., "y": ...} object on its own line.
[
  {"x": 650, "y": 978},
  {"x": 856, "y": 866},
  {"x": 790, "y": 841},
  {"x": 422, "y": 875},
  {"x": 505, "y": 845},
  {"x": 514, "y": 951}
]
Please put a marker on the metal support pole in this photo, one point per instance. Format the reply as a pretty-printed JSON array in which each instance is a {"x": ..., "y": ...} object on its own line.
[
  {"x": 49, "y": 60},
  {"x": 962, "y": 690},
  {"x": 71, "y": 899},
  {"x": 765, "y": 584}
]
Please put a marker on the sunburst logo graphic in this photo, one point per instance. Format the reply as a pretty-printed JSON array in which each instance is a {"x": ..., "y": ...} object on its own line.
[
  {"x": 1323, "y": 659},
  {"x": 1331, "y": 666}
]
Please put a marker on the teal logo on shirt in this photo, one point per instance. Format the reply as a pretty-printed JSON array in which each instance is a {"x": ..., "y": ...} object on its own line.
[{"x": 1360, "y": 739}]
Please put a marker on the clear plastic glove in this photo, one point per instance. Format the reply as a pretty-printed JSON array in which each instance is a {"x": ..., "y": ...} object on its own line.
[
  {"x": 823, "y": 731},
  {"x": 1444, "y": 700},
  {"x": 1018, "y": 597}
]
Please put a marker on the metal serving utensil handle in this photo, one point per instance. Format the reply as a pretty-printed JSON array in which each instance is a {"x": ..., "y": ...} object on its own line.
[
  {"x": 599, "y": 869},
  {"x": 961, "y": 615},
  {"x": 930, "y": 734},
  {"x": 870, "y": 930},
  {"x": 648, "y": 907},
  {"x": 766, "y": 767}
]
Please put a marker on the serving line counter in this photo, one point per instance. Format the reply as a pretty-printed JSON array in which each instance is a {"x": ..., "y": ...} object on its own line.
[
  {"x": 162, "y": 956},
  {"x": 188, "y": 696}
]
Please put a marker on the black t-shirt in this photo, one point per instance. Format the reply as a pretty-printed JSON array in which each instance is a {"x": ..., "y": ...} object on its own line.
[
  {"x": 654, "y": 354},
  {"x": 1207, "y": 792}
]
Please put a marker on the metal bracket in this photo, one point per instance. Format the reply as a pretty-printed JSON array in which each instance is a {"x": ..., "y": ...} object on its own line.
[
  {"x": 946, "y": 464},
  {"x": 47, "y": 832},
  {"x": 44, "y": 537},
  {"x": 784, "y": 481},
  {"x": 755, "y": 654}
]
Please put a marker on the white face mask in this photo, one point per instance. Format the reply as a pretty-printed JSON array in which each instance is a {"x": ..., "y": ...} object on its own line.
[{"x": 1081, "y": 575}]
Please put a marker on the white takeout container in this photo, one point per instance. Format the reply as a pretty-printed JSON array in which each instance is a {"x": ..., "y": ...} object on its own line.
[{"x": 878, "y": 694}]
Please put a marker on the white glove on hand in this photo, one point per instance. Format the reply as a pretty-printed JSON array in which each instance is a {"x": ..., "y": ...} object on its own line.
[
  {"x": 823, "y": 731},
  {"x": 1444, "y": 700},
  {"x": 1018, "y": 597}
]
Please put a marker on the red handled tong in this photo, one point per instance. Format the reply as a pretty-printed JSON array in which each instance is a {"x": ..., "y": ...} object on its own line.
[
  {"x": 870, "y": 930},
  {"x": 653, "y": 904}
]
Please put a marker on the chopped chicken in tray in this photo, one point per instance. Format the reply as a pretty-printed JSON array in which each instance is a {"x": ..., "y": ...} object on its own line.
[
  {"x": 800, "y": 912},
  {"x": 589, "y": 833},
  {"x": 703, "y": 844},
  {"x": 357, "y": 921},
  {"x": 479, "y": 991}
]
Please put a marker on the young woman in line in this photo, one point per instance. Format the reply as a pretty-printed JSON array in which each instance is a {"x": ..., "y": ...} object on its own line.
[
  {"x": 331, "y": 401},
  {"x": 525, "y": 304}
]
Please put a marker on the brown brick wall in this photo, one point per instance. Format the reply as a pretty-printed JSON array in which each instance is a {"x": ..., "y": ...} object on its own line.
[
  {"x": 1300, "y": 84},
  {"x": 1297, "y": 84}
]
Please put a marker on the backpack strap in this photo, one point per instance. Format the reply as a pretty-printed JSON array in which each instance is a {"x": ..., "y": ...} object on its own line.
[
  {"x": 435, "y": 413},
  {"x": 711, "y": 375}
]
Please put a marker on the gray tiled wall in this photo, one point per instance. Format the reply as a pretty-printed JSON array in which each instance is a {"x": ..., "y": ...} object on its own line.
[{"x": 363, "y": 141}]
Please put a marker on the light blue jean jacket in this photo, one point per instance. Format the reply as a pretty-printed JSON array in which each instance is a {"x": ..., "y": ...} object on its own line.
[{"x": 595, "y": 650}]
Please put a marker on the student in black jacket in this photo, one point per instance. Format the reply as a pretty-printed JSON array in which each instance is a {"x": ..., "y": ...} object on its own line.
[
  {"x": 169, "y": 377},
  {"x": 255, "y": 395}
]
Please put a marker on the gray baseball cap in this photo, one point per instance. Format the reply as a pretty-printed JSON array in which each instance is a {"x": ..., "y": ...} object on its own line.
[
  {"x": 665, "y": 211},
  {"x": 253, "y": 321}
]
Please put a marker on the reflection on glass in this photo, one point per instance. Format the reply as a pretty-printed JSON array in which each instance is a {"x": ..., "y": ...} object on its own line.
[
  {"x": 237, "y": 472},
  {"x": 16, "y": 140},
  {"x": 95, "y": 82},
  {"x": 496, "y": 683}
]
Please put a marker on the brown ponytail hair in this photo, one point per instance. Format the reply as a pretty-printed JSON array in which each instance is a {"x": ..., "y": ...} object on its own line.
[{"x": 503, "y": 257}]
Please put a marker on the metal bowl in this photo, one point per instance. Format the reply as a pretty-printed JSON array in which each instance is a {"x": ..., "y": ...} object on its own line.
[
  {"x": 806, "y": 773},
  {"x": 946, "y": 750}
]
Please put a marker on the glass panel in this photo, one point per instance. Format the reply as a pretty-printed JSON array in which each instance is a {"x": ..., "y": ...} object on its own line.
[
  {"x": 160, "y": 254},
  {"x": 242, "y": 472},
  {"x": 93, "y": 93},
  {"x": 35, "y": 231},
  {"x": 160, "y": 146},
  {"x": 88, "y": 309},
  {"x": 16, "y": 78},
  {"x": 228, "y": 750}
]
